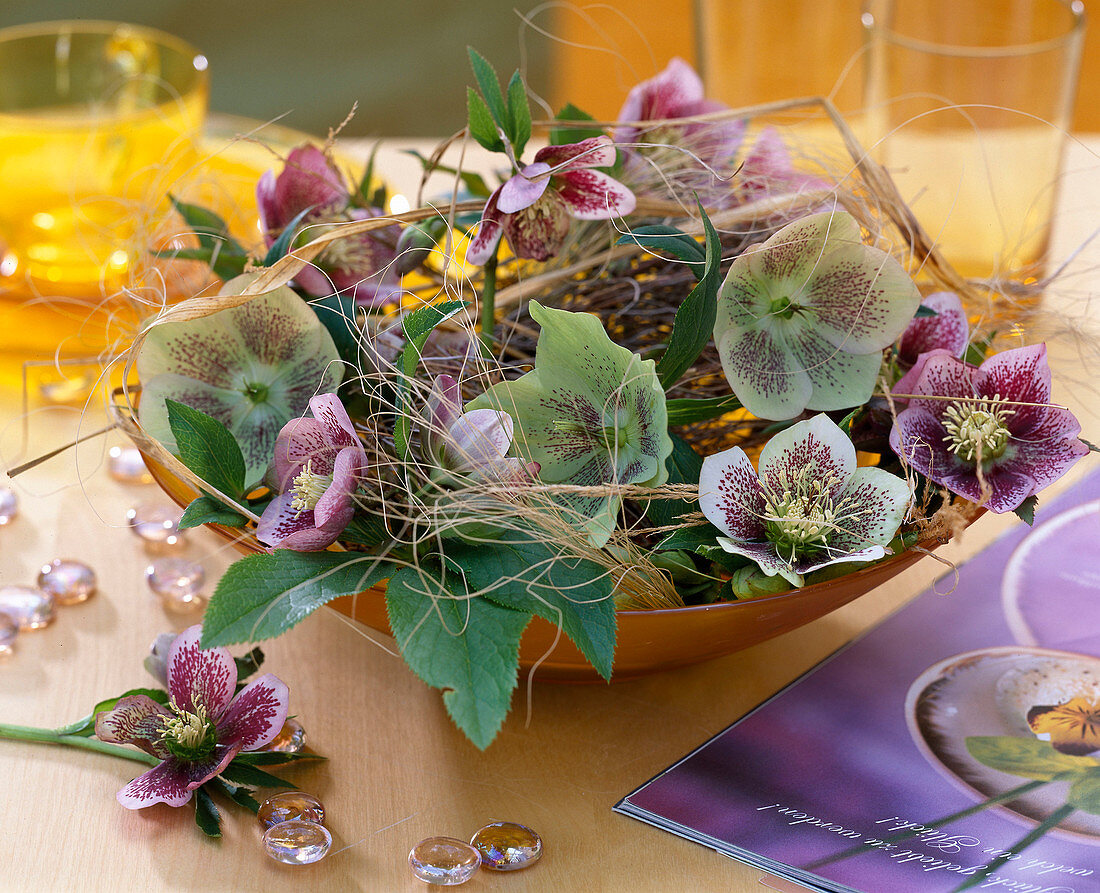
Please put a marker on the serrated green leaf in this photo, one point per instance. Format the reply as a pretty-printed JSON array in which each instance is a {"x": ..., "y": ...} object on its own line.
[
  {"x": 684, "y": 465},
  {"x": 1026, "y": 757},
  {"x": 273, "y": 757},
  {"x": 481, "y": 123},
  {"x": 694, "y": 323},
  {"x": 489, "y": 85},
  {"x": 208, "y": 448},
  {"x": 692, "y": 539},
  {"x": 528, "y": 575},
  {"x": 243, "y": 773},
  {"x": 1084, "y": 793},
  {"x": 207, "y": 816},
  {"x": 262, "y": 596},
  {"x": 208, "y": 510},
  {"x": 337, "y": 315},
  {"x": 565, "y": 135},
  {"x": 659, "y": 238},
  {"x": 225, "y": 255},
  {"x": 1025, "y": 511},
  {"x": 685, "y": 410},
  {"x": 468, "y": 647},
  {"x": 519, "y": 114},
  {"x": 239, "y": 795}
]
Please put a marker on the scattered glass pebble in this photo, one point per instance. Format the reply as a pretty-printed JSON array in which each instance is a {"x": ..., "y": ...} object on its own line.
[
  {"x": 69, "y": 582},
  {"x": 507, "y": 846},
  {"x": 9, "y": 505},
  {"x": 291, "y": 739},
  {"x": 9, "y": 629},
  {"x": 125, "y": 464},
  {"x": 172, "y": 544},
  {"x": 444, "y": 861},
  {"x": 297, "y": 842},
  {"x": 30, "y": 607},
  {"x": 178, "y": 582},
  {"x": 290, "y": 806},
  {"x": 154, "y": 523}
]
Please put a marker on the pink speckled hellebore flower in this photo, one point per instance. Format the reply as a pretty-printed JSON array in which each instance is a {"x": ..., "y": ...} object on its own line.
[
  {"x": 534, "y": 206},
  {"x": 360, "y": 265},
  {"x": 318, "y": 464},
  {"x": 203, "y": 727},
  {"x": 987, "y": 433},
  {"x": 948, "y": 331}
]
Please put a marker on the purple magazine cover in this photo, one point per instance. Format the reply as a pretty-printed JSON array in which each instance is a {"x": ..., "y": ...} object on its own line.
[{"x": 865, "y": 774}]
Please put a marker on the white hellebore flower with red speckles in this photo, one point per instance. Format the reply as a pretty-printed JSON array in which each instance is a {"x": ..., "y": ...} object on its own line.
[
  {"x": 534, "y": 206},
  {"x": 810, "y": 506},
  {"x": 988, "y": 433},
  {"x": 318, "y": 464},
  {"x": 203, "y": 727}
]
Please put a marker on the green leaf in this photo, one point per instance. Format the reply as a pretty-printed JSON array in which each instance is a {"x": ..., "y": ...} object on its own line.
[
  {"x": 273, "y": 757},
  {"x": 1084, "y": 793},
  {"x": 685, "y": 410},
  {"x": 519, "y": 114},
  {"x": 468, "y": 647},
  {"x": 207, "y": 816},
  {"x": 684, "y": 465},
  {"x": 208, "y": 448},
  {"x": 208, "y": 510},
  {"x": 489, "y": 85},
  {"x": 692, "y": 539},
  {"x": 1025, "y": 511},
  {"x": 239, "y": 795},
  {"x": 367, "y": 194},
  {"x": 262, "y": 596},
  {"x": 566, "y": 134},
  {"x": 1026, "y": 757},
  {"x": 226, "y": 256},
  {"x": 474, "y": 182},
  {"x": 694, "y": 323},
  {"x": 659, "y": 238},
  {"x": 417, "y": 326},
  {"x": 280, "y": 248},
  {"x": 242, "y": 773},
  {"x": 249, "y": 663},
  {"x": 337, "y": 315},
  {"x": 528, "y": 575},
  {"x": 481, "y": 123}
]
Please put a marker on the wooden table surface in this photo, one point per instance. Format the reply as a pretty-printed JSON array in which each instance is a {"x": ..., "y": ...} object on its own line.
[{"x": 397, "y": 769}]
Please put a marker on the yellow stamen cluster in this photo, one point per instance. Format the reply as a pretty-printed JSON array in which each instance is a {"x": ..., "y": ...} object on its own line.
[
  {"x": 187, "y": 730},
  {"x": 802, "y": 517},
  {"x": 308, "y": 488},
  {"x": 976, "y": 430}
]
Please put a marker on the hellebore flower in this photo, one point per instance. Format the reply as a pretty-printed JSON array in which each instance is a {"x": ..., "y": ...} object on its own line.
[
  {"x": 590, "y": 413},
  {"x": 360, "y": 265},
  {"x": 803, "y": 319},
  {"x": 947, "y": 331},
  {"x": 474, "y": 443},
  {"x": 768, "y": 170},
  {"x": 987, "y": 433},
  {"x": 318, "y": 465},
  {"x": 534, "y": 206},
  {"x": 203, "y": 727},
  {"x": 252, "y": 367},
  {"x": 1072, "y": 727},
  {"x": 810, "y": 506},
  {"x": 681, "y": 153}
]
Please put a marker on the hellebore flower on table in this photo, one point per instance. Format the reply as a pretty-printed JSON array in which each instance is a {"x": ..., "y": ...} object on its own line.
[
  {"x": 251, "y": 367},
  {"x": 987, "y": 433},
  {"x": 534, "y": 206},
  {"x": 590, "y": 413},
  {"x": 947, "y": 331},
  {"x": 809, "y": 506},
  {"x": 203, "y": 727},
  {"x": 474, "y": 443},
  {"x": 360, "y": 265},
  {"x": 803, "y": 319},
  {"x": 318, "y": 463}
]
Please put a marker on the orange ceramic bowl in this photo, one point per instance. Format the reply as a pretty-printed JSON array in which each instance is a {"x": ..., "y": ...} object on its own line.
[{"x": 647, "y": 641}]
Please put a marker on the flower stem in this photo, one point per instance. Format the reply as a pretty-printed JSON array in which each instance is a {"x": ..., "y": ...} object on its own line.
[
  {"x": 55, "y": 736},
  {"x": 488, "y": 301}
]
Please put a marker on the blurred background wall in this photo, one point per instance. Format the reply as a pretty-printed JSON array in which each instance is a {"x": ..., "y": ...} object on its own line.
[{"x": 404, "y": 61}]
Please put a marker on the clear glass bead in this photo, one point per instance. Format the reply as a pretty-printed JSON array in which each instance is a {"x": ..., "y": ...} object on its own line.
[
  {"x": 444, "y": 861},
  {"x": 9, "y": 630},
  {"x": 69, "y": 582},
  {"x": 9, "y": 505},
  {"x": 30, "y": 607},
  {"x": 126, "y": 465},
  {"x": 178, "y": 582},
  {"x": 290, "y": 806},
  {"x": 507, "y": 846},
  {"x": 291, "y": 739},
  {"x": 297, "y": 842},
  {"x": 154, "y": 523}
]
